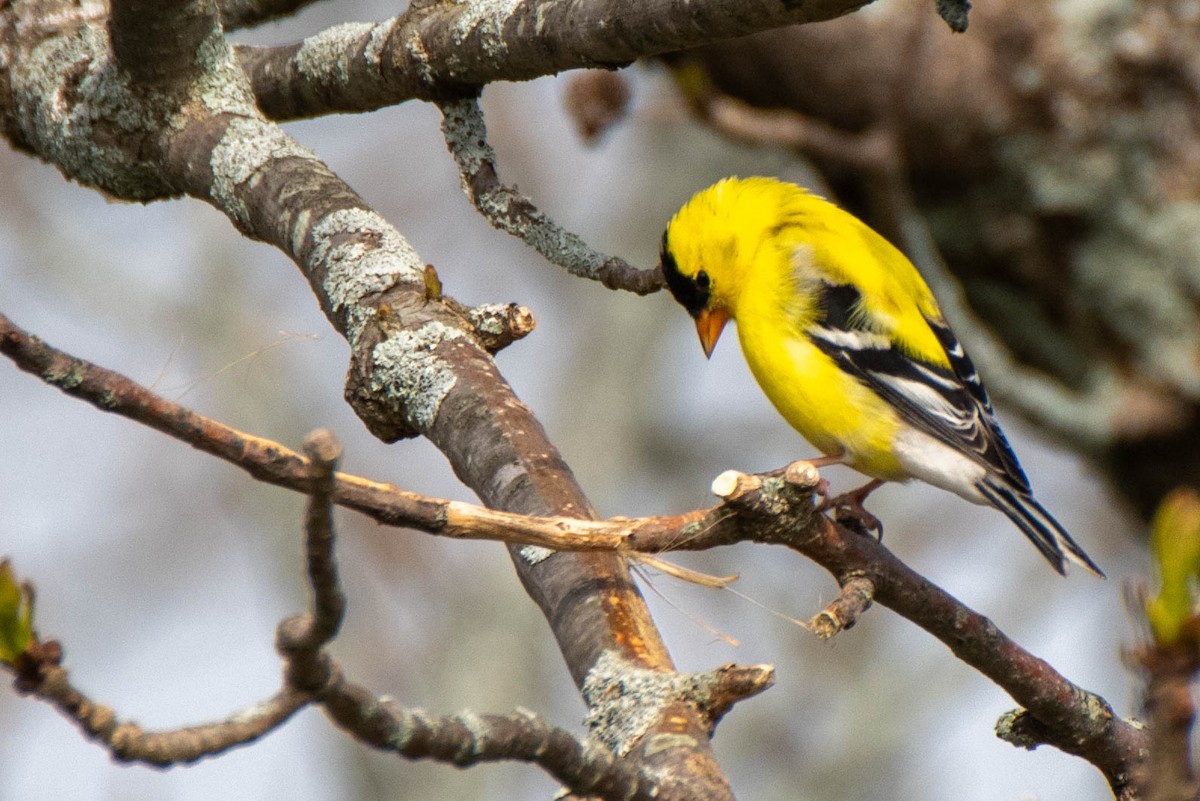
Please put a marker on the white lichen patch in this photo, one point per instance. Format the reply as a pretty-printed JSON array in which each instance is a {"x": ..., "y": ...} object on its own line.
[
  {"x": 479, "y": 730},
  {"x": 466, "y": 135},
  {"x": 410, "y": 376},
  {"x": 361, "y": 255},
  {"x": 540, "y": 23},
  {"x": 406, "y": 723},
  {"x": 377, "y": 42},
  {"x": 484, "y": 19},
  {"x": 331, "y": 52},
  {"x": 222, "y": 86},
  {"x": 60, "y": 120},
  {"x": 416, "y": 48},
  {"x": 532, "y": 554},
  {"x": 246, "y": 148},
  {"x": 488, "y": 323},
  {"x": 624, "y": 699},
  {"x": 299, "y": 230},
  {"x": 84, "y": 114}
]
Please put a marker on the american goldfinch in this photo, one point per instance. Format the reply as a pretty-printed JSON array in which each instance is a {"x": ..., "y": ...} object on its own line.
[{"x": 849, "y": 344}]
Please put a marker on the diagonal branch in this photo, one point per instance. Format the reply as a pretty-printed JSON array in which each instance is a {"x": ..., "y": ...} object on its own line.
[
  {"x": 1074, "y": 720},
  {"x": 510, "y": 211},
  {"x": 417, "y": 366},
  {"x": 276, "y": 464},
  {"x": 769, "y": 509},
  {"x": 311, "y": 676}
]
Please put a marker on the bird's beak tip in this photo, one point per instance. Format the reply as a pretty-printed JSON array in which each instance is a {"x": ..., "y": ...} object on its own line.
[{"x": 709, "y": 325}]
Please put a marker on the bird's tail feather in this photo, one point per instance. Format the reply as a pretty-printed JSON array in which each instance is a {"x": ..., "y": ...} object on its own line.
[{"x": 1038, "y": 525}]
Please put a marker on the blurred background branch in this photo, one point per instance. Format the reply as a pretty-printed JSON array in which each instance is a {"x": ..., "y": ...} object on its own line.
[{"x": 1052, "y": 154}]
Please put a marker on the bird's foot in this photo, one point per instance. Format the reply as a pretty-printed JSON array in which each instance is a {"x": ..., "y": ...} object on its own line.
[{"x": 848, "y": 510}]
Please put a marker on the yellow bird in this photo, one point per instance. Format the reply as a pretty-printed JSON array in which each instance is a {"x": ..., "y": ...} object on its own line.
[{"x": 849, "y": 344}]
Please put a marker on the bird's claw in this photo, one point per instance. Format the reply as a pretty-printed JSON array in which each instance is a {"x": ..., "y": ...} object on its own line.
[{"x": 848, "y": 510}]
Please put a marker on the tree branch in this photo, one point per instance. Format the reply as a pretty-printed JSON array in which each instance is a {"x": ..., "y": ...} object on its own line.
[
  {"x": 510, "y": 211},
  {"x": 276, "y": 464},
  {"x": 437, "y": 50},
  {"x": 237, "y": 14},
  {"x": 469, "y": 739},
  {"x": 417, "y": 367},
  {"x": 774, "y": 509},
  {"x": 1075, "y": 720},
  {"x": 39, "y": 672},
  {"x": 311, "y": 676}
]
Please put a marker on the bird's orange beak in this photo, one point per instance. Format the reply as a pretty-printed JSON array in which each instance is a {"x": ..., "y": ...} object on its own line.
[{"x": 709, "y": 325}]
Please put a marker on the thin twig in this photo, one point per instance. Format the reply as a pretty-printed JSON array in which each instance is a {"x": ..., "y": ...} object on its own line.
[
  {"x": 843, "y": 612},
  {"x": 276, "y": 464},
  {"x": 510, "y": 211},
  {"x": 300, "y": 639},
  {"x": 129, "y": 742},
  {"x": 329, "y": 602},
  {"x": 464, "y": 739},
  {"x": 767, "y": 508},
  {"x": 469, "y": 739}
]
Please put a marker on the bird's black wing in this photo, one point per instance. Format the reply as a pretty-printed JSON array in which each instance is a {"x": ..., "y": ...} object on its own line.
[{"x": 949, "y": 405}]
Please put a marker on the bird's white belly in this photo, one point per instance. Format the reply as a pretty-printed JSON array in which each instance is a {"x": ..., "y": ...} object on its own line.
[{"x": 936, "y": 463}]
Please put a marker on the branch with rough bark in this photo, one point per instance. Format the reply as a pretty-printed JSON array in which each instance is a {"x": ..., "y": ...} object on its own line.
[
  {"x": 772, "y": 509},
  {"x": 188, "y": 123},
  {"x": 437, "y": 50},
  {"x": 312, "y": 677},
  {"x": 510, "y": 211}
]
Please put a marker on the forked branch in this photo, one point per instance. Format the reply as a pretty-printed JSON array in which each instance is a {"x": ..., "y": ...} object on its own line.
[{"x": 774, "y": 508}]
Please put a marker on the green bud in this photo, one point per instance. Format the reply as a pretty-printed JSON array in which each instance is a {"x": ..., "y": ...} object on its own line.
[
  {"x": 16, "y": 615},
  {"x": 1175, "y": 548}
]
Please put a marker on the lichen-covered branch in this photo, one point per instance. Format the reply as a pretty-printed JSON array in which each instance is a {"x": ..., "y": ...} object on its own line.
[
  {"x": 417, "y": 366},
  {"x": 129, "y": 742},
  {"x": 771, "y": 509},
  {"x": 469, "y": 738},
  {"x": 437, "y": 50},
  {"x": 510, "y": 211}
]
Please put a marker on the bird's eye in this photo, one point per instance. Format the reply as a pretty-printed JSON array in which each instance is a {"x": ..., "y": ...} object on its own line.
[{"x": 702, "y": 279}]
